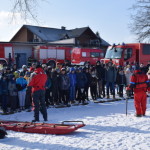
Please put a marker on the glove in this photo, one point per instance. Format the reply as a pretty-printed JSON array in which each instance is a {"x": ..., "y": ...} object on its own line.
[
  {"x": 132, "y": 85},
  {"x": 128, "y": 88}
]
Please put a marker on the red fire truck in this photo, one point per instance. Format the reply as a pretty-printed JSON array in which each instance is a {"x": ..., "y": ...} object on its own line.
[
  {"x": 128, "y": 53},
  {"x": 52, "y": 54},
  {"x": 6, "y": 53},
  {"x": 74, "y": 56},
  {"x": 80, "y": 56}
]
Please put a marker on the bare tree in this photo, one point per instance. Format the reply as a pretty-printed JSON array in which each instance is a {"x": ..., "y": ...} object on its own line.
[
  {"x": 26, "y": 8},
  {"x": 140, "y": 25}
]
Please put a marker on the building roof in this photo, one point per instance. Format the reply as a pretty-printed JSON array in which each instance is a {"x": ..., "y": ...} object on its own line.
[{"x": 53, "y": 34}]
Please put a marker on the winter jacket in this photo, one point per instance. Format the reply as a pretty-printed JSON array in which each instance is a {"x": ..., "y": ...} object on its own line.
[
  {"x": 12, "y": 88},
  {"x": 55, "y": 80},
  {"x": 48, "y": 83},
  {"x": 128, "y": 78},
  {"x": 121, "y": 79},
  {"x": 100, "y": 72},
  {"x": 21, "y": 84},
  {"x": 39, "y": 80},
  {"x": 64, "y": 82},
  {"x": 73, "y": 79},
  {"x": 88, "y": 75},
  {"x": 139, "y": 81},
  {"x": 4, "y": 87},
  {"x": 94, "y": 81},
  {"x": 110, "y": 74},
  {"x": 0, "y": 86},
  {"x": 81, "y": 80}
]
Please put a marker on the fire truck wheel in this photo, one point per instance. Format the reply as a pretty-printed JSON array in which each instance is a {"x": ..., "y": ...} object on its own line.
[{"x": 52, "y": 63}]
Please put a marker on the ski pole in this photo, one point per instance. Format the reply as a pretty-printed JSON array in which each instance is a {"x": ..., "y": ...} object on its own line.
[{"x": 126, "y": 106}]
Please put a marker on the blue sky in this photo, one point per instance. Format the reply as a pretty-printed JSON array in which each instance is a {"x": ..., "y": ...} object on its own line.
[{"x": 110, "y": 18}]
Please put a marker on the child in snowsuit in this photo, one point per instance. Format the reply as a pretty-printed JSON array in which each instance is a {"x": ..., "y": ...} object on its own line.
[
  {"x": 93, "y": 86},
  {"x": 21, "y": 86},
  {"x": 121, "y": 81},
  {"x": 73, "y": 82},
  {"x": 81, "y": 84},
  {"x": 4, "y": 87},
  {"x": 13, "y": 94},
  {"x": 88, "y": 75},
  {"x": 64, "y": 86}
]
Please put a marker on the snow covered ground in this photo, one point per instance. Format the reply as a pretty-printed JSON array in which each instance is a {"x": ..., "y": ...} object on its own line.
[{"x": 107, "y": 128}]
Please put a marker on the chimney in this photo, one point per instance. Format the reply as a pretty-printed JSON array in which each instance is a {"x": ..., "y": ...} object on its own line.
[{"x": 63, "y": 28}]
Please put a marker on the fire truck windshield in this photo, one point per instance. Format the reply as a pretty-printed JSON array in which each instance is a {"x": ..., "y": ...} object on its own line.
[{"x": 114, "y": 53}]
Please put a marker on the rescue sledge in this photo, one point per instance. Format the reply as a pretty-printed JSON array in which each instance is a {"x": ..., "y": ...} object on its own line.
[{"x": 42, "y": 128}]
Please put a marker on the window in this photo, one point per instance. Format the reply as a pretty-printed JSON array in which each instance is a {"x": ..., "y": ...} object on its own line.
[
  {"x": 127, "y": 53},
  {"x": 84, "y": 54},
  {"x": 146, "y": 49},
  {"x": 95, "y": 54},
  {"x": 102, "y": 54},
  {"x": 114, "y": 53}
]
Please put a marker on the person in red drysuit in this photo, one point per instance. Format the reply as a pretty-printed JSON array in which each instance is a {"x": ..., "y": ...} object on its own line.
[
  {"x": 139, "y": 81},
  {"x": 38, "y": 93}
]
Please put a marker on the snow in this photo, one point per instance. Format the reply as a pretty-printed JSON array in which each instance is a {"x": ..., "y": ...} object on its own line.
[{"x": 107, "y": 128}]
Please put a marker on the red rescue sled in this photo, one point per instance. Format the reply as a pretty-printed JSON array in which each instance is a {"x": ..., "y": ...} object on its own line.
[{"x": 43, "y": 128}]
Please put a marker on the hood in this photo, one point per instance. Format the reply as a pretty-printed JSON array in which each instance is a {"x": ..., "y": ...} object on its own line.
[
  {"x": 72, "y": 69},
  {"x": 39, "y": 71}
]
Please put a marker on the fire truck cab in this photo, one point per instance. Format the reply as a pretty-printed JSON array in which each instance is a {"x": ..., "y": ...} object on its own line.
[{"x": 128, "y": 53}]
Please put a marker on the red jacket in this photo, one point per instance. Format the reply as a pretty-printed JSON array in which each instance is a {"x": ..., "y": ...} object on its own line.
[
  {"x": 38, "y": 81},
  {"x": 140, "y": 81}
]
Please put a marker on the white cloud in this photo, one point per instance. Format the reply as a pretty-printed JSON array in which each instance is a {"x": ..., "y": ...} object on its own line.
[{"x": 9, "y": 27}]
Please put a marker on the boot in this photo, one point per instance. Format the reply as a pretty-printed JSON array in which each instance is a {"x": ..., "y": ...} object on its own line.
[
  {"x": 136, "y": 115},
  {"x": 114, "y": 97},
  {"x": 35, "y": 120},
  {"x": 108, "y": 97}
]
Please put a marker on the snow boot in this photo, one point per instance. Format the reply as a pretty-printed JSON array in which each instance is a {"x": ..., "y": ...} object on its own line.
[
  {"x": 35, "y": 120},
  {"x": 107, "y": 97},
  {"x": 114, "y": 97},
  {"x": 136, "y": 115}
]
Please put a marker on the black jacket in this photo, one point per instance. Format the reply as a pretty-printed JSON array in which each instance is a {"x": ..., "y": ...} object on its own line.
[{"x": 100, "y": 72}]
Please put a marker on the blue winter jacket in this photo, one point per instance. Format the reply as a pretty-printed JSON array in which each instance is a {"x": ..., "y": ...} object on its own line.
[
  {"x": 73, "y": 79},
  {"x": 81, "y": 80},
  {"x": 21, "y": 84}
]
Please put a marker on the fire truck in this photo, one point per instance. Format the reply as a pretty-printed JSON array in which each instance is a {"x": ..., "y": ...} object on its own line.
[
  {"x": 128, "y": 54},
  {"x": 80, "y": 56},
  {"x": 6, "y": 53},
  {"x": 75, "y": 56},
  {"x": 52, "y": 54}
]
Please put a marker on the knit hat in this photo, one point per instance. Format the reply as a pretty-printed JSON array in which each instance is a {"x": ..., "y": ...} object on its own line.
[
  {"x": 72, "y": 69},
  {"x": 24, "y": 66},
  {"x": 63, "y": 69},
  {"x": 21, "y": 74}
]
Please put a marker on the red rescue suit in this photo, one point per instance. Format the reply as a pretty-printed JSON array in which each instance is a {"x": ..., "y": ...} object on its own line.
[
  {"x": 140, "y": 85},
  {"x": 38, "y": 81}
]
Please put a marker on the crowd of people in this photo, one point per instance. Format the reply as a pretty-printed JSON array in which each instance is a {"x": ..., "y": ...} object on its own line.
[{"x": 65, "y": 85}]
